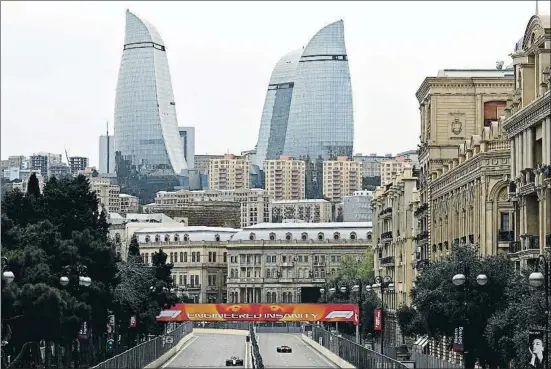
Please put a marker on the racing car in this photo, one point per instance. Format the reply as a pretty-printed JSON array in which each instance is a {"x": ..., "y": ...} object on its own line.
[
  {"x": 234, "y": 361},
  {"x": 285, "y": 349}
]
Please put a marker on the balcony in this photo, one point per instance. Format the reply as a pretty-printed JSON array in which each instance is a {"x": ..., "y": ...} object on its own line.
[
  {"x": 528, "y": 243},
  {"x": 421, "y": 264},
  {"x": 288, "y": 264},
  {"x": 285, "y": 280},
  {"x": 386, "y": 236},
  {"x": 388, "y": 261},
  {"x": 421, "y": 210},
  {"x": 192, "y": 287},
  {"x": 319, "y": 263},
  {"x": 386, "y": 213},
  {"x": 505, "y": 236}
]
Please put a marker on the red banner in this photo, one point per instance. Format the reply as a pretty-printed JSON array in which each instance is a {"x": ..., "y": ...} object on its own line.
[
  {"x": 377, "y": 320},
  {"x": 261, "y": 313}
]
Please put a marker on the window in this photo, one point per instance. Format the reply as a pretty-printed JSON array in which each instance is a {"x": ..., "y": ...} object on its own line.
[
  {"x": 288, "y": 236},
  {"x": 504, "y": 222},
  {"x": 171, "y": 257},
  {"x": 267, "y": 273},
  {"x": 185, "y": 280},
  {"x": 167, "y": 238},
  {"x": 198, "y": 257},
  {"x": 300, "y": 258},
  {"x": 117, "y": 237},
  {"x": 305, "y": 258},
  {"x": 147, "y": 258},
  {"x": 197, "y": 279},
  {"x": 225, "y": 257},
  {"x": 157, "y": 238},
  {"x": 186, "y": 237},
  {"x": 336, "y": 235},
  {"x": 147, "y": 238},
  {"x": 352, "y": 235},
  {"x": 333, "y": 259},
  {"x": 272, "y": 236},
  {"x": 268, "y": 259},
  {"x": 181, "y": 279},
  {"x": 193, "y": 257},
  {"x": 320, "y": 236},
  {"x": 252, "y": 236},
  {"x": 217, "y": 238},
  {"x": 185, "y": 257},
  {"x": 274, "y": 259},
  {"x": 283, "y": 258},
  {"x": 269, "y": 298},
  {"x": 304, "y": 236},
  {"x": 181, "y": 257},
  {"x": 214, "y": 257},
  {"x": 369, "y": 236},
  {"x": 176, "y": 238},
  {"x": 210, "y": 257}
]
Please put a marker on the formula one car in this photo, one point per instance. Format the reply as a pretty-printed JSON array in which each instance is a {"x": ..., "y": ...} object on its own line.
[
  {"x": 284, "y": 349},
  {"x": 234, "y": 361}
]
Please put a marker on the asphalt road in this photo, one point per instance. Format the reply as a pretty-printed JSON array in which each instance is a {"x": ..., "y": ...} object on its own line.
[
  {"x": 303, "y": 356},
  {"x": 209, "y": 351}
]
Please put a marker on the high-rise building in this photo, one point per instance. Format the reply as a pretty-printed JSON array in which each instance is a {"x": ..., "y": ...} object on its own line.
[
  {"x": 275, "y": 116},
  {"x": 285, "y": 178},
  {"x": 321, "y": 118},
  {"x": 392, "y": 166},
  {"x": 229, "y": 173},
  {"x": 187, "y": 136},
  {"x": 42, "y": 161},
  {"x": 108, "y": 194},
  {"x": 146, "y": 127},
  {"x": 78, "y": 163},
  {"x": 308, "y": 107},
  {"x": 107, "y": 154},
  {"x": 341, "y": 177}
]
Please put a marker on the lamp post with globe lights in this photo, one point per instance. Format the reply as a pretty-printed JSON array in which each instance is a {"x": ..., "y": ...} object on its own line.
[
  {"x": 461, "y": 279},
  {"x": 7, "y": 274},
  {"x": 538, "y": 279},
  {"x": 382, "y": 284},
  {"x": 80, "y": 272}
]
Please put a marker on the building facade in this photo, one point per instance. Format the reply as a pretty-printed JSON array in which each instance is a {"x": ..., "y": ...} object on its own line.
[
  {"x": 106, "y": 154},
  {"x": 392, "y": 166},
  {"x": 528, "y": 127},
  {"x": 108, "y": 194},
  {"x": 58, "y": 170},
  {"x": 187, "y": 137},
  {"x": 199, "y": 256},
  {"x": 309, "y": 211},
  {"x": 341, "y": 177},
  {"x": 357, "y": 207},
  {"x": 202, "y": 162},
  {"x": 454, "y": 106},
  {"x": 285, "y": 178},
  {"x": 42, "y": 161},
  {"x": 78, "y": 163},
  {"x": 229, "y": 173},
  {"x": 290, "y": 262},
  {"x": 146, "y": 126},
  {"x": 371, "y": 164},
  {"x": 129, "y": 203}
]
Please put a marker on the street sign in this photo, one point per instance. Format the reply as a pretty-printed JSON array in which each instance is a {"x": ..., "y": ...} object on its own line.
[{"x": 169, "y": 340}]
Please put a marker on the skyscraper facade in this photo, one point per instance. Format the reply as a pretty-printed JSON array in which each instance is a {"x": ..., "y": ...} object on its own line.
[
  {"x": 146, "y": 127},
  {"x": 308, "y": 107}
]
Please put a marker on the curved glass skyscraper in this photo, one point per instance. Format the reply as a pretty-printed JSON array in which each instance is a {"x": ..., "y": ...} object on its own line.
[
  {"x": 146, "y": 127},
  {"x": 321, "y": 117},
  {"x": 275, "y": 116},
  {"x": 308, "y": 107}
]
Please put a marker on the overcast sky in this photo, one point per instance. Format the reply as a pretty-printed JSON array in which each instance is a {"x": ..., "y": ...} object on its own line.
[{"x": 60, "y": 62}]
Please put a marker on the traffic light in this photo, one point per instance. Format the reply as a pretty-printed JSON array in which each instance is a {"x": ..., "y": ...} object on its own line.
[{"x": 110, "y": 345}]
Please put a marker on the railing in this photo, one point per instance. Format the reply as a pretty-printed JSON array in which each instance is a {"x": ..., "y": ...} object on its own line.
[
  {"x": 431, "y": 362},
  {"x": 222, "y": 325},
  {"x": 386, "y": 235},
  {"x": 147, "y": 352},
  {"x": 353, "y": 353},
  {"x": 389, "y": 260},
  {"x": 505, "y": 236}
]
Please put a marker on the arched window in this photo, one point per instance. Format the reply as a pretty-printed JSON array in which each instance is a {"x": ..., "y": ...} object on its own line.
[
  {"x": 157, "y": 238},
  {"x": 288, "y": 236},
  {"x": 322, "y": 273},
  {"x": 333, "y": 271},
  {"x": 186, "y": 237},
  {"x": 272, "y": 236},
  {"x": 252, "y": 236},
  {"x": 146, "y": 258},
  {"x": 274, "y": 296},
  {"x": 316, "y": 273},
  {"x": 352, "y": 235},
  {"x": 147, "y": 238},
  {"x": 167, "y": 238},
  {"x": 176, "y": 237},
  {"x": 369, "y": 236},
  {"x": 269, "y": 297},
  {"x": 217, "y": 238},
  {"x": 284, "y": 297},
  {"x": 289, "y": 298},
  {"x": 304, "y": 236},
  {"x": 336, "y": 235},
  {"x": 320, "y": 236}
]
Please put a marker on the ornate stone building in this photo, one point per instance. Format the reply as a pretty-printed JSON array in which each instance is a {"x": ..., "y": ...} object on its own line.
[
  {"x": 454, "y": 106},
  {"x": 469, "y": 197},
  {"x": 290, "y": 262},
  {"x": 528, "y": 126}
]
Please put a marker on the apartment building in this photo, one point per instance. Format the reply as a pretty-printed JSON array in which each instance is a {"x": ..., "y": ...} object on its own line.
[
  {"x": 14, "y": 161},
  {"x": 285, "y": 178},
  {"x": 309, "y": 211},
  {"x": 108, "y": 194},
  {"x": 341, "y": 177},
  {"x": 58, "y": 170},
  {"x": 528, "y": 127},
  {"x": 371, "y": 164},
  {"x": 229, "y": 173},
  {"x": 393, "y": 207},
  {"x": 392, "y": 166},
  {"x": 42, "y": 160},
  {"x": 129, "y": 203},
  {"x": 202, "y": 162},
  {"x": 357, "y": 207},
  {"x": 290, "y": 262},
  {"x": 199, "y": 256},
  {"x": 77, "y": 163},
  {"x": 454, "y": 105}
]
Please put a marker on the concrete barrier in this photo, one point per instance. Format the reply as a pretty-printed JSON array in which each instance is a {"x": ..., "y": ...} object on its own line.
[
  {"x": 238, "y": 332},
  {"x": 340, "y": 362},
  {"x": 170, "y": 353}
]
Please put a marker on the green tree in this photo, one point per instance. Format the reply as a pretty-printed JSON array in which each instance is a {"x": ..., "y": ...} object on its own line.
[
  {"x": 440, "y": 306},
  {"x": 33, "y": 187}
]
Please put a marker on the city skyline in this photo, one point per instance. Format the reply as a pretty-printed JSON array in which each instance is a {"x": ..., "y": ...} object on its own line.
[{"x": 75, "y": 89}]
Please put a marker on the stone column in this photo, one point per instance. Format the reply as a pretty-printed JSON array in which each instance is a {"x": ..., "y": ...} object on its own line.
[
  {"x": 524, "y": 150},
  {"x": 530, "y": 147},
  {"x": 513, "y": 158},
  {"x": 518, "y": 154},
  {"x": 548, "y": 140},
  {"x": 488, "y": 250}
]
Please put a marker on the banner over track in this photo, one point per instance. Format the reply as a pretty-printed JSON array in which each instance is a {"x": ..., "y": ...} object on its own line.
[{"x": 261, "y": 313}]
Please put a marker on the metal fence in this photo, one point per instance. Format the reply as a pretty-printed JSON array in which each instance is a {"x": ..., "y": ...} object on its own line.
[
  {"x": 350, "y": 351},
  {"x": 276, "y": 329},
  {"x": 222, "y": 325},
  {"x": 431, "y": 362},
  {"x": 147, "y": 352}
]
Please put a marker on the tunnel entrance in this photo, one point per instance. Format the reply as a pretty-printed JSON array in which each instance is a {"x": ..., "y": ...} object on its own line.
[{"x": 310, "y": 295}]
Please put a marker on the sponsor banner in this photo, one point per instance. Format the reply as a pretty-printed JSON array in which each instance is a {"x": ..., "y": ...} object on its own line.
[
  {"x": 458, "y": 340},
  {"x": 377, "y": 320},
  {"x": 261, "y": 313}
]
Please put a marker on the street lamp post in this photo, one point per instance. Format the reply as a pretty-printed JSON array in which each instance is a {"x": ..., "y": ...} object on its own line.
[
  {"x": 383, "y": 284},
  {"x": 7, "y": 274},
  {"x": 79, "y": 271},
  {"x": 537, "y": 279},
  {"x": 459, "y": 280}
]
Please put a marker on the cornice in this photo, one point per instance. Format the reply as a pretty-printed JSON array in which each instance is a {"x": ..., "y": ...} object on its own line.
[
  {"x": 461, "y": 83},
  {"x": 530, "y": 114}
]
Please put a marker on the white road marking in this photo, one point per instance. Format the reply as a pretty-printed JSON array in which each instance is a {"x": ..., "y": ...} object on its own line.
[
  {"x": 331, "y": 364},
  {"x": 186, "y": 345}
]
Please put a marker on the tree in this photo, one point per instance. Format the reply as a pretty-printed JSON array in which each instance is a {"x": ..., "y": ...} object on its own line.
[
  {"x": 134, "y": 248},
  {"x": 440, "y": 306},
  {"x": 33, "y": 187}
]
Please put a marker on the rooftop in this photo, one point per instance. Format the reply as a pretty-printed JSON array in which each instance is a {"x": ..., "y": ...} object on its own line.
[{"x": 304, "y": 201}]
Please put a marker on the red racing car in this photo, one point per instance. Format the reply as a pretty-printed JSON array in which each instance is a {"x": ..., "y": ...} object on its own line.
[{"x": 284, "y": 349}]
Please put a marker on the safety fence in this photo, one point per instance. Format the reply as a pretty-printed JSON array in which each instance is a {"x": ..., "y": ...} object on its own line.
[
  {"x": 352, "y": 352},
  {"x": 257, "y": 362},
  {"x": 222, "y": 325},
  {"x": 425, "y": 361},
  {"x": 278, "y": 329},
  {"x": 147, "y": 352}
]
